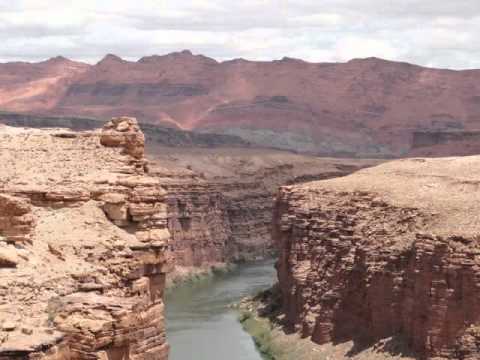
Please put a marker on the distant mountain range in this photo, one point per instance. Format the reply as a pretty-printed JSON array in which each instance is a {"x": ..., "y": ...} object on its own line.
[{"x": 365, "y": 107}]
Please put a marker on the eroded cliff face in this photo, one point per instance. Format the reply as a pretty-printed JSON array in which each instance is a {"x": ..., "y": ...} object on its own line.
[
  {"x": 220, "y": 200},
  {"x": 199, "y": 224},
  {"x": 219, "y": 223},
  {"x": 83, "y": 245},
  {"x": 220, "y": 191},
  {"x": 389, "y": 252}
]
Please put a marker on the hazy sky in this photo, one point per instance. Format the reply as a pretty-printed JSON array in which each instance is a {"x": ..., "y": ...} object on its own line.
[{"x": 440, "y": 33}]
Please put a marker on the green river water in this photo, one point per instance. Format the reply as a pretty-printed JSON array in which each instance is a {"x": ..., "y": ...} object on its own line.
[{"x": 201, "y": 326}]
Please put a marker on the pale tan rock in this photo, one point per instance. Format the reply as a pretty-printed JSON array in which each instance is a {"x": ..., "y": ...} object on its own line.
[
  {"x": 16, "y": 219},
  {"x": 159, "y": 235},
  {"x": 8, "y": 256},
  {"x": 113, "y": 198},
  {"x": 79, "y": 287},
  {"x": 9, "y": 326},
  {"x": 27, "y": 330},
  {"x": 124, "y": 132},
  {"x": 116, "y": 211}
]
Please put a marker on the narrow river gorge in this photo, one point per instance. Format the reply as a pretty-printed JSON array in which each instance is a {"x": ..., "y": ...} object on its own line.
[{"x": 200, "y": 323}]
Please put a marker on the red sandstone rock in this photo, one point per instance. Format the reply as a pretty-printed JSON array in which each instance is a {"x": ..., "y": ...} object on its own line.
[
  {"x": 365, "y": 106},
  {"x": 389, "y": 251},
  {"x": 219, "y": 201}
]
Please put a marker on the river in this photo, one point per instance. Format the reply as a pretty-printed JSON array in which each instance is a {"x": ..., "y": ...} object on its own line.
[{"x": 201, "y": 326}]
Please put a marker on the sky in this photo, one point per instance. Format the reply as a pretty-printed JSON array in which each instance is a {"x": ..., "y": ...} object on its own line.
[{"x": 436, "y": 33}]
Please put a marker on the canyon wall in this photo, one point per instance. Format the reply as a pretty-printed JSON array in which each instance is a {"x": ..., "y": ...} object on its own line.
[
  {"x": 220, "y": 201},
  {"x": 199, "y": 224},
  {"x": 220, "y": 190},
  {"x": 390, "y": 252},
  {"x": 219, "y": 223},
  {"x": 83, "y": 246}
]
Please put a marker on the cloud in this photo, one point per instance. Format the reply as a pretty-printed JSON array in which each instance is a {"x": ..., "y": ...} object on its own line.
[
  {"x": 427, "y": 32},
  {"x": 356, "y": 46}
]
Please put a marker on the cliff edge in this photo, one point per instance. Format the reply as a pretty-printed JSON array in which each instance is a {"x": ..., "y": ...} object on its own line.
[
  {"x": 390, "y": 252},
  {"x": 83, "y": 245}
]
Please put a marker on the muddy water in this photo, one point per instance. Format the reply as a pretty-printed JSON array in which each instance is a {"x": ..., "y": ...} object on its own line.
[{"x": 200, "y": 326}]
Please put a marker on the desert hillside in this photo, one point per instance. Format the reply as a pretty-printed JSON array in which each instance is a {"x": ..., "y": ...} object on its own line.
[{"x": 364, "y": 107}]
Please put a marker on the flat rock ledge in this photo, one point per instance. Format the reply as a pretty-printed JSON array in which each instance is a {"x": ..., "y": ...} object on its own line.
[{"x": 84, "y": 246}]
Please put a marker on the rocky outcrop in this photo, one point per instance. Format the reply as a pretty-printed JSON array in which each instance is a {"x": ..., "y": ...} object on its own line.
[
  {"x": 124, "y": 132},
  {"x": 389, "y": 252},
  {"x": 83, "y": 246}
]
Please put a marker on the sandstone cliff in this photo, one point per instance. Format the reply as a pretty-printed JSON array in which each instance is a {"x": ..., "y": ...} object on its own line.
[
  {"x": 83, "y": 245},
  {"x": 389, "y": 252},
  {"x": 220, "y": 200}
]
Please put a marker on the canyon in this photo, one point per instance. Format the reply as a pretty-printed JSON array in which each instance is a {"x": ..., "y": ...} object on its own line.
[
  {"x": 98, "y": 219},
  {"x": 362, "y": 108},
  {"x": 219, "y": 189},
  {"x": 90, "y": 229},
  {"x": 383, "y": 257},
  {"x": 220, "y": 200}
]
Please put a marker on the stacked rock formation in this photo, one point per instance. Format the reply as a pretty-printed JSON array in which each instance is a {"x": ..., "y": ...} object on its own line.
[
  {"x": 83, "y": 246},
  {"x": 391, "y": 251}
]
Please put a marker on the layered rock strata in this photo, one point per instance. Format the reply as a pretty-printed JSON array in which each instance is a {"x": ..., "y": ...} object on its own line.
[
  {"x": 220, "y": 201},
  {"x": 83, "y": 246},
  {"x": 389, "y": 252},
  {"x": 362, "y": 108},
  {"x": 438, "y": 143},
  {"x": 199, "y": 224}
]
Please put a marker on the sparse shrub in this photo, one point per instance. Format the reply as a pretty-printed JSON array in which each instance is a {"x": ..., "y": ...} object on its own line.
[{"x": 54, "y": 306}]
